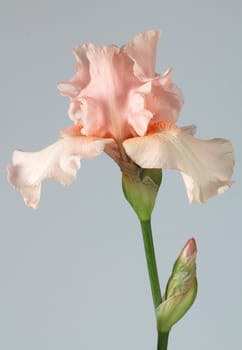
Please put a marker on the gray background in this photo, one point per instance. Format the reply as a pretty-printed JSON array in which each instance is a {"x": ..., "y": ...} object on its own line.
[{"x": 73, "y": 274}]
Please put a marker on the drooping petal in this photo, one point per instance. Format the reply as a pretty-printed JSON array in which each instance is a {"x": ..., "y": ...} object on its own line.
[
  {"x": 142, "y": 49},
  {"x": 59, "y": 161},
  {"x": 206, "y": 166}
]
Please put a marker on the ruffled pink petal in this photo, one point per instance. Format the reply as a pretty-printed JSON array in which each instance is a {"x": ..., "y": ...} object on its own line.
[
  {"x": 165, "y": 100},
  {"x": 59, "y": 161},
  {"x": 138, "y": 116},
  {"x": 108, "y": 94},
  {"x": 105, "y": 89},
  {"x": 142, "y": 49},
  {"x": 206, "y": 166},
  {"x": 82, "y": 76}
]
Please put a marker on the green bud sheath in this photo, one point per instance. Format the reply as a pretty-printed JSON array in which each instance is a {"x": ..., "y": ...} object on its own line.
[
  {"x": 140, "y": 189},
  {"x": 181, "y": 289}
]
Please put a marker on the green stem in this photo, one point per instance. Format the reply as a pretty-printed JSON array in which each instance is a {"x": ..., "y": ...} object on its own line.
[
  {"x": 162, "y": 341},
  {"x": 153, "y": 275},
  {"x": 151, "y": 262}
]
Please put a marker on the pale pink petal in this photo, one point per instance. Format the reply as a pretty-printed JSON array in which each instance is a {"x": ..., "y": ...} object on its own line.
[
  {"x": 165, "y": 100},
  {"x": 73, "y": 130},
  {"x": 138, "y": 116},
  {"x": 116, "y": 92},
  {"x": 81, "y": 77},
  {"x": 107, "y": 105},
  {"x": 142, "y": 49},
  {"x": 112, "y": 81},
  {"x": 78, "y": 110},
  {"x": 59, "y": 161},
  {"x": 68, "y": 89},
  {"x": 109, "y": 99},
  {"x": 206, "y": 166}
]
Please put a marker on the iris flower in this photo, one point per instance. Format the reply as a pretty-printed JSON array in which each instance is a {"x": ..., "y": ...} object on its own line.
[{"x": 121, "y": 106}]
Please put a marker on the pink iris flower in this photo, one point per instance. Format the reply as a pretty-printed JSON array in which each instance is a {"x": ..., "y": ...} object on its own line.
[{"x": 121, "y": 106}]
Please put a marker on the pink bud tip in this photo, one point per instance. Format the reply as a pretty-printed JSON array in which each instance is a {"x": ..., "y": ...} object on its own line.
[{"x": 190, "y": 249}]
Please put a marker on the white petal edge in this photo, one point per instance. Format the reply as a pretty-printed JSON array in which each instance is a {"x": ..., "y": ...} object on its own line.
[
  {"x": 59, "y": 161},
  {"x": 206, "y": 166}
]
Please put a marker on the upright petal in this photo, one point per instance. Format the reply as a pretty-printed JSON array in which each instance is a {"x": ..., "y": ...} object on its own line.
[
  {"x": 206, "y": 166},
  {"x": 59, "y": 161},
  {"x": 82, "y": 76},
  {"x": 142, "y": 49},
  {"x": 166, "y": 99},
  {"x": 107, "y": 98}
]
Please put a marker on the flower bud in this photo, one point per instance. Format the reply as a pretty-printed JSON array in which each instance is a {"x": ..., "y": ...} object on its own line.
[
  {"x": 140, "y": 188},
  {"x": 181, "y": 289}
]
